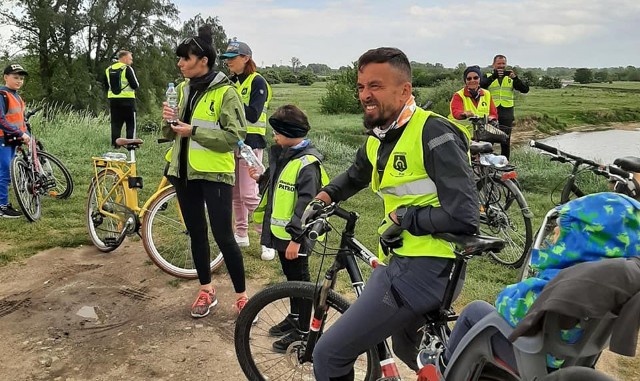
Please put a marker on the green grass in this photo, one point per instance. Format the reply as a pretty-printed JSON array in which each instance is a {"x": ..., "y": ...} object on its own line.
[{"x": 75, "y": 137}]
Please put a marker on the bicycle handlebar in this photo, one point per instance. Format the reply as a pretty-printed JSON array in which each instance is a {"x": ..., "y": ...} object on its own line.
[
  {"x": 604, "y": 170},
  {"x": 32, "y": 113},
  {"x": 317, "y": 229}
]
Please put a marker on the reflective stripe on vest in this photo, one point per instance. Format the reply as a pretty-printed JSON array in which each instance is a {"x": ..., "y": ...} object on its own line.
[
  {"x": 405, "y": 182},
  {"x": 205, "y": 115},
  {"x": 127, "y": 91},
  {"x": 483, "y": 108},
  {"x": 502, "y": 93},
  {"x": 244, "y": 89},
  {"x": 15, "y": 112},
  {"x": 285, "y": 196}
]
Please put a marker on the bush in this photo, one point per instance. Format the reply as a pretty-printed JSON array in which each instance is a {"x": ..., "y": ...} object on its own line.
[
  {"x": 342, "y": 95},
  {"x": 547, "y": 82},
  {"x": 306, "y": 79},
  {"x": 272, "y": 77},
  {"x": 441, "y": 95},
  {"x": 288, "y": 77}
]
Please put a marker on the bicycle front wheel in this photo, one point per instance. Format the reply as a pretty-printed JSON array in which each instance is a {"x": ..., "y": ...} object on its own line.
[
  {"x": 167, "y": 241},
  {"x": 257, "y": 358},
  {"x": 24, "y": 185},
  {"x": 105, "y": 229},
  {"x": 504, "y": 213},
  {"x": 58, "y": 179}
]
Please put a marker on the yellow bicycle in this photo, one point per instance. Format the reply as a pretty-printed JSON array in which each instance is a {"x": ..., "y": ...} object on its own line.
[{"x": 113, "y": 213}]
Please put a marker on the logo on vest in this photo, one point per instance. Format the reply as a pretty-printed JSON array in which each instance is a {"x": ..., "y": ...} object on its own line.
[
  {"x": 244, "y": 91},
  {"x": 399, "y": 162},
  {"x": 484, "y": 103},
  {"x": 212, "y": 108},
  {"x": 286, "y": 186}
]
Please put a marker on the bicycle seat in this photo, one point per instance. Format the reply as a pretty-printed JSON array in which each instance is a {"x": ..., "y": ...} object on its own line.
[
  {"x": 473, "y": 244},
  {"x": 628, "y": 163},
  {"x": 129, "y": 143},
  {"x": 481, "y": 147}
]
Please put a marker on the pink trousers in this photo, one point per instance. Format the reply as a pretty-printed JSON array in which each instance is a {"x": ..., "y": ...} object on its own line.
[{"x": 245, "y": 196}]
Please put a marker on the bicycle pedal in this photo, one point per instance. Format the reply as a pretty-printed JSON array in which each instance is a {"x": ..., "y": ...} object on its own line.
[{"x": 110, "y": 241}]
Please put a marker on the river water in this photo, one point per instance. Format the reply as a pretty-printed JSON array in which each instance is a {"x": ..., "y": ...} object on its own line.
[{"x": 601, "y": 146}]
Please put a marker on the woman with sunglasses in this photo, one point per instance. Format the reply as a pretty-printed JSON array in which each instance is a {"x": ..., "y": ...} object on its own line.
[
  {"x": 210, "y": 123},
  {"x": 256, "y": 94},
  {"x": 472, "y": 100}
]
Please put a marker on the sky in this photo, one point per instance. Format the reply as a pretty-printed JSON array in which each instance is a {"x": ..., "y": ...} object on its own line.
[{"x": 531, "y": 33}]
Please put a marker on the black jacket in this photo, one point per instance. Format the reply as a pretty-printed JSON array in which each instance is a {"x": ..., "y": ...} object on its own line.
[
  {"x": 592, "y": 289},
  {"x": 447, "y": 164},
  {"x": 308, "y": 185}
]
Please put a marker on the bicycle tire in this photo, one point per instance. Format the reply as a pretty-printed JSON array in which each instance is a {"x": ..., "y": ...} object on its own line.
[
  {"x": 505, "y": 214},
  {"x": 166, "y": 239},
  {"x": 23, "y": 183},
  {"x": 526, "y": 271},
  {"x": 94, "y": 220},
  {"x": 63, "y": 181},
  {"x": 271, "y": 305}
]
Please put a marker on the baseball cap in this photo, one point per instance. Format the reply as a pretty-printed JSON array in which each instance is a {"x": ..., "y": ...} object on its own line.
[
  {"x": 15, "y": 69},
  {"x": 236, "y": 48}
]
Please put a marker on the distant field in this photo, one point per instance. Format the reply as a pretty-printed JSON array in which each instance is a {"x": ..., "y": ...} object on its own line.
[{"x": 618, "y": 85}]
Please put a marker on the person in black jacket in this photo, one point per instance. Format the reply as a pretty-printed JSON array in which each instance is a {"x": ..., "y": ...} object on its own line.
[
  {"x": 418, "y": 162},
  {"x": 122, "y": 96},
  {"x": 295, "y": 175},
  {"x": 501, "y": 83}
]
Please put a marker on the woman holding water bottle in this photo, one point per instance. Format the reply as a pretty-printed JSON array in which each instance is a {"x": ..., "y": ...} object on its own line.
[
  {"x": 256, "y": 94},
  {"x": 206, "y": 127}
]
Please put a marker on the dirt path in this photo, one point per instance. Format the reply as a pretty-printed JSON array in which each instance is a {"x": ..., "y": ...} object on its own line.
[{"x": 136, "y": 324}]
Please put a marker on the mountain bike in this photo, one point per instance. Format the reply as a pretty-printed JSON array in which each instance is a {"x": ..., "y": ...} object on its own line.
[
  {"x": 619, "y": 175},
  {"x": 504, "y": 211},
  {"x": 36, "y": 173},
  {"x": 270, "y": 306},
  {"x": 113, "y": 213}
]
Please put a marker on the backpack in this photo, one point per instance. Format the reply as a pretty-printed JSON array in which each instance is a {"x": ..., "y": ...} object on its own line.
[{"x": 115, "y": 79}]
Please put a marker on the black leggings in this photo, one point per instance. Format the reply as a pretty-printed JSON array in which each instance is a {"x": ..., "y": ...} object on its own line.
[
  {"x": 192, "y": 196},
  {"x": 505, "y": 118}
]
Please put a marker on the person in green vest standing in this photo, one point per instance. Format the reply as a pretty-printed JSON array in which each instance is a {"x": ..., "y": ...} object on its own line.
[
  {"x": 295, "y": 175},
  {"x": 471, "y": 99},
  {"x": 256, "y": 95},
  {"x": 121, "y": 83},
  {"x": 201, "y": 169},
  {"x": 501, "y": 83},
  {"x": 418, "y": 163}
]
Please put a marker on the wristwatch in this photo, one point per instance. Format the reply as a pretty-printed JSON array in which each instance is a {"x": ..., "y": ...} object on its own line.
[{"x": 400, "y": 213}]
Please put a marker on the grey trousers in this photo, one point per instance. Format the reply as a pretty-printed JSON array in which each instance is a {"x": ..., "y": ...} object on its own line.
[{"x": 393, "y": 303}]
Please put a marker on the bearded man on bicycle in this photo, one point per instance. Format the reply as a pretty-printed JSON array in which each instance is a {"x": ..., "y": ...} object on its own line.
[{"x": 417, "y": 161}]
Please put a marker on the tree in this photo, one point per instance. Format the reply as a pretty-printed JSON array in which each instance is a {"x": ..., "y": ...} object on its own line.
[
  {"x": 529, "y": 78},
  {"x": 548, "y": 82},
  {"x": 583, "y": 75},
  {"x": 220, "y": 41},
  {"x": 295, "y": 63},
  {"x": 601, "y": 76}
]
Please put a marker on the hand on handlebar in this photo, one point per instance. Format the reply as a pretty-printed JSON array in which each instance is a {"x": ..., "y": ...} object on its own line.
[
  {"x": 390, "y": 237},
  {"x": 25, "y": 138},
  {"x": 312, "y": 211}
]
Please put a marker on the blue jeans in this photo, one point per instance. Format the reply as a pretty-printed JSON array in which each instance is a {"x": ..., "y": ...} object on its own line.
[{"x": 6, "y": 154}]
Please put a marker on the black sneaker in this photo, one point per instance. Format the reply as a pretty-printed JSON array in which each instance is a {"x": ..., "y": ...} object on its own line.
[
  {"x": 289, "y": 324},
  {"x": 7, "y": 211},
  {"x": 283, "y": 344}
]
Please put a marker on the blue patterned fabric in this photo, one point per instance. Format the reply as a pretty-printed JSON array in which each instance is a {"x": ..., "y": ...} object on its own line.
[{"x": 593, "y": 227}]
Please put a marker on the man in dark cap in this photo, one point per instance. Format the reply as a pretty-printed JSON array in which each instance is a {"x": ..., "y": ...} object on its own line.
[
  {"x": 13, "y": 131},
  {"x": 294, "y": 176}
]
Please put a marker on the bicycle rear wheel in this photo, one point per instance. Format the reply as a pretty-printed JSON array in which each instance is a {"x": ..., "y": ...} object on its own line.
[
  {"x": 544, "y": 239},
  {"x": 24, "y": 185},
  {"x": 253, "y": 344},
  {"x": 104, "y": 229},
  {"x": 504, "y": 213},
  {"x": 59, "y": 181},
  {"x": 166, "y": 238}
]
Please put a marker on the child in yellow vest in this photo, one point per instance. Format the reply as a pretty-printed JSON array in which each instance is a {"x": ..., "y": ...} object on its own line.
[{"x": 294, "y": 176}]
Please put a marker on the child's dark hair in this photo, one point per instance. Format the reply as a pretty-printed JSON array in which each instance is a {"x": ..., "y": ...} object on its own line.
[{"x": 200, "y": 46}]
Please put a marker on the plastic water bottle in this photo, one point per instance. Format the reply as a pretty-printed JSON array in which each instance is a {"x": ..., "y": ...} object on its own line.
[
  {"x": 498, "y": 161},
  {"x": 172, "y": 100},
  {"x": 247, "y": 154}
]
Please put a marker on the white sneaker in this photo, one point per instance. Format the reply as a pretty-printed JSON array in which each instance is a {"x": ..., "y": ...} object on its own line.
[
  {"x": 267, "y": 253},
  {"x": 242, "y": 241}
]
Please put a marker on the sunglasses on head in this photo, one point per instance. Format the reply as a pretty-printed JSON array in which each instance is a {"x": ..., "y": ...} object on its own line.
[
  {"x": 472, "y": 78},
  {"x": 189, "y": 40}
]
